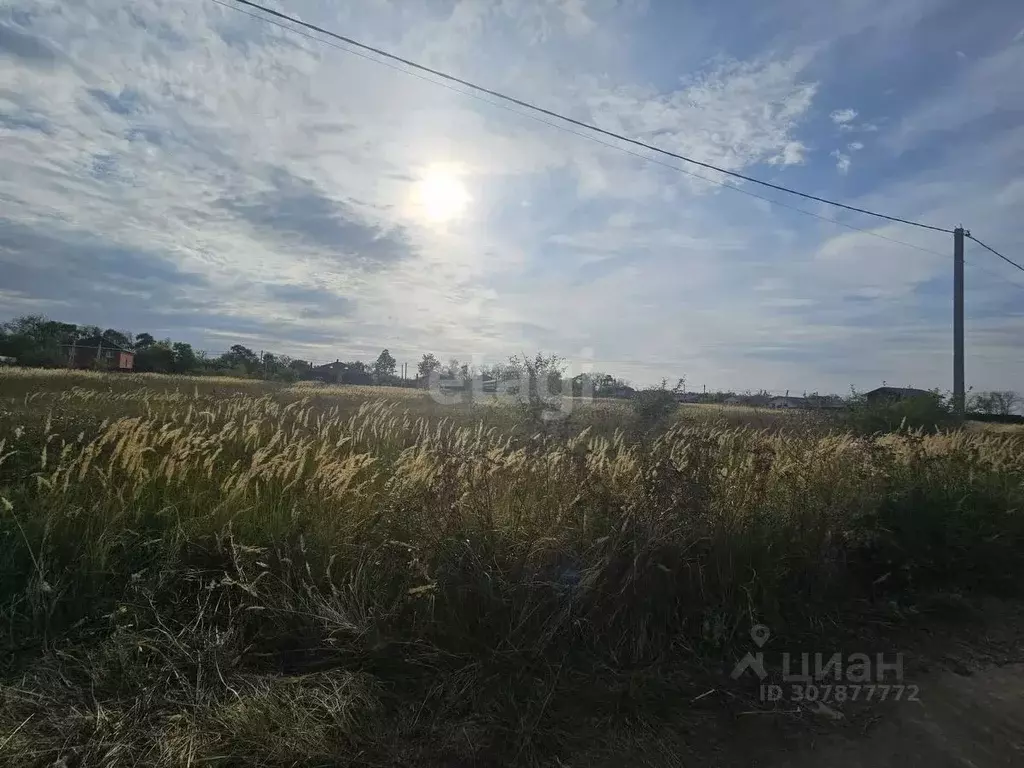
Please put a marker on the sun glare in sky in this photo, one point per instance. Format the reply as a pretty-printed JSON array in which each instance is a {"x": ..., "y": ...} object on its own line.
[{"x": 440, "y": 195}]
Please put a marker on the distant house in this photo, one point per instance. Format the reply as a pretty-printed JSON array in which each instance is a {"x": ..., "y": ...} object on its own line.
[
  {"x": 687, "y": 397},
  {"x": 827, "y": 402},
  {"x": 331, "y": 373},
  {"x": 624, "y": 392},
  {"x": 732, "y": 400},
  {"x": 339, "y": 373},
  {"x": 97, "y": 352},
  {"x": 448, "y": 385},
  {"x": 884, "y": 395},
  {"x": 457, "y": 384},
  {"x": 787, "y": 402}
]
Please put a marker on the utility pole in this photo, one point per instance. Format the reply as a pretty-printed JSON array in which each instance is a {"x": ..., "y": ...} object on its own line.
[{"x": 958, "y": 322}]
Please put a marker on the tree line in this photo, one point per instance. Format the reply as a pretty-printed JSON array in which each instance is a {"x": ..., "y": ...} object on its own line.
[
  {"x": 38, "y": 341},
  {"x": 35, "y": 340}
]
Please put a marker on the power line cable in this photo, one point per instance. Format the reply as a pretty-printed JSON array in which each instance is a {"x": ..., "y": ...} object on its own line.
[
  {"x": 582, "y": 135},
  {"x": 993, "y": 273},
  {"x": 574, "y": 121},
  {"x": 596, "y": 140},
  {"x": 993, "y": 250}
]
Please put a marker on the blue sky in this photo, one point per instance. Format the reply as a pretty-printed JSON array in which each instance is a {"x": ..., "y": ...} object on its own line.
[{"x": 176, "y": 167}]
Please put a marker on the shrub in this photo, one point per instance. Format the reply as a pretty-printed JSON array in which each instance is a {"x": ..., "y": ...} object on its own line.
[
  {"x": 930, "y": 413},
  {"x": 653, "y": 406}
]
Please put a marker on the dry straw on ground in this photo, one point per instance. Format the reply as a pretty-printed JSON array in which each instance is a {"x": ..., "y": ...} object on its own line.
[{"x": 226, "y": 572}]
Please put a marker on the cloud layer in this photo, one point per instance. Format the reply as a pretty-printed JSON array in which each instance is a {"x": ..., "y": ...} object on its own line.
[{"x": 181, "y": 168}]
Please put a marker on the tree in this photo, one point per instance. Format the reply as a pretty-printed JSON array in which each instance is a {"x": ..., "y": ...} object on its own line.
[
  {"x": 384, "y": 367},
  {"x": 37, "y": 340},
  {"x": 144, "y": 340},
  {"x": 451, "y": 369},
  {"x": 541, "y": 371},
  {"x": 281, "y": 368},
  {"x": 243, "y": 353},
  {"x": 654, "y": 405},
  {"x": 357, "y": 372},
  {"x": 598, "y": 384},
  {"x": 158, "y": 357},
  {"x": 240, "y": 356},
  {"x": 1001, "y": 403},
  {"x": 1006, "y": 402},
  {"x": 184, "y": 357},
  {"x": 269, "y": 362},
  {"x": 26, "y": 325},
  {"x": 981, "y": 403},
  {"x": 427, "y": 365},
  {"x": 117, "y": 339},
  {"x": 540, "y": 381}
]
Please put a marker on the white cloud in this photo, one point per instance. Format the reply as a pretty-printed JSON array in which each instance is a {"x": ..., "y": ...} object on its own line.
[
  {"x": 733, "y": 115},
  {"x": 843, "y": 116},
  {"x": 858, "y": 128},
  {"x": 842, "y": 160},
  {"x": 276, "y": 173},
  {"x": 244, "y": 147},
  {"x": 577, "y": 21},
  {"x": 792, "y": 154}
]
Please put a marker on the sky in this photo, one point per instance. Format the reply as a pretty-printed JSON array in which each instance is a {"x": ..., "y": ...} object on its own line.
[{"x": 180, "y": 168}]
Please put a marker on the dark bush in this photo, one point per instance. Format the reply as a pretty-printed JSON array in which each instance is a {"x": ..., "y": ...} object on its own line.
[
  {"x": 653, "y": 406},
  {"x": 929, "y": 412}
]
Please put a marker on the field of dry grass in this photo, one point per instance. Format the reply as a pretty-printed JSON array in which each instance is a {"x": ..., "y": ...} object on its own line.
[{"x": 228, "y": 572}]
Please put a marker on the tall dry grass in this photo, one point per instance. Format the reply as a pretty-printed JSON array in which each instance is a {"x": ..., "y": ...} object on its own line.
[{"x": 215, "y": 575}]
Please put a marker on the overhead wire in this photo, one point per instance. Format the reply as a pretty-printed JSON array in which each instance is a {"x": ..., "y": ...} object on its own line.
[
  {"x": 993, "y": 250},
  {"x": 565, "y": 118},
  {"x": 580, "y": 134},
  {"x": 992, "y": 273},
  {"x": 590, "y": 137}
]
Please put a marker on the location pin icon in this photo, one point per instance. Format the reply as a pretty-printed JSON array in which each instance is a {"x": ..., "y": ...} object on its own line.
[{"x": 759, "y": 634}]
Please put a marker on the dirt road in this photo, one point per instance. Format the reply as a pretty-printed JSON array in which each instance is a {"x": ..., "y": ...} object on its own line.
[
  {"x": 966, "y": 719},
  {"x": 969, "y": 714}
]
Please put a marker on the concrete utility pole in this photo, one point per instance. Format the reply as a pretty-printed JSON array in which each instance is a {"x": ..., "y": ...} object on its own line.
[{"x": 958, "y": 322}]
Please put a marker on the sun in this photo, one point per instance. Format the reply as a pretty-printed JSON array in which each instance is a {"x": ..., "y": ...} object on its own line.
[{"x": 440, "y": 195}]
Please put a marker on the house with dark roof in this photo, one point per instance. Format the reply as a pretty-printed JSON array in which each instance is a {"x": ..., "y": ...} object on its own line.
[
  {"x": 890, "y": 395},
  {"x": 787, "y": 402},
  {"x": 97, "y": 352},
  {"x": 340, "y": 373},
  {"x": 825, "y": 402}
]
